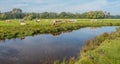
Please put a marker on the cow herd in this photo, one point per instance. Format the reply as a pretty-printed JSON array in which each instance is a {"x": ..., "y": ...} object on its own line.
[
  {"x": 95, "y": 20},
  {"x": 53, "y": 22}
]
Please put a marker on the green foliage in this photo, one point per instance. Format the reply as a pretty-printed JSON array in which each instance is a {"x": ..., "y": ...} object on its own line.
[
  {"x": 3, "y": 16},
  {"x": 95, "y": 15},
  {"x": 28, "y": 17},
  {"x": 17, "y": 13}
]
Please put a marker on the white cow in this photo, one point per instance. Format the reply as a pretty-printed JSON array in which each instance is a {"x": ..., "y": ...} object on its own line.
[
  {"x": 22, "y": 22},
  {"x": 70, "y": 21},
  {"x": 94, "y": 20},
  {"x": 37, "y": 21}
]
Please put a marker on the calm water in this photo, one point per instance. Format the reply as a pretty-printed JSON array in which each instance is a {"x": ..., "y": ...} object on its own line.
[{"x": 45, "y": 48}]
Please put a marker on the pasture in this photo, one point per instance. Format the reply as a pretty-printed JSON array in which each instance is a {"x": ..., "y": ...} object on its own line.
[{"x": 13, "y": 29}]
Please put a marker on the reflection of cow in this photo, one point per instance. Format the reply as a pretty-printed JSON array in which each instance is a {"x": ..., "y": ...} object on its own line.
[
  {"x": 56, "y": 21},
  {"x": 22, "y": 22},
  {"x": 22, "y": 38},
  {"x": 93, "y": 28},
  {"x": 56, "y": 34},
  {"x": 8, "y": 21},
  {"x": 37, "y": 21}
]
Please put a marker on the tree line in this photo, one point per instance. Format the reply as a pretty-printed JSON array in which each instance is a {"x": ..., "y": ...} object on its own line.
[{"x": 17, "y": 13}]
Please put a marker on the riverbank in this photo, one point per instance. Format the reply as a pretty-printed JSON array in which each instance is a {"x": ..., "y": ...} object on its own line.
[
  {"x": 14, "y": 29},
  {"x": 104, "y": 49},
  {"x": 106, "y": 53}
]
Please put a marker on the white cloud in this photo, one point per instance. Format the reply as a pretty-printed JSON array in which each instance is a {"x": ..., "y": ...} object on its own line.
[{"x": 60, "y": 5}]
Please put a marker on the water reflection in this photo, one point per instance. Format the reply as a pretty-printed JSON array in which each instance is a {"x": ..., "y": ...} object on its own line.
[
  {"x": 94, "y": 28},
  {"x": 45, "y": 48},
  {"x": 56, "y": 34},
  {"x": 8, "y": 55},
  {"x": 59, "y": 33}
]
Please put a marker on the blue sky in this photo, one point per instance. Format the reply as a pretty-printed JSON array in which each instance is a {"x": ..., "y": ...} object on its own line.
[{"x": 75, "y": 6}]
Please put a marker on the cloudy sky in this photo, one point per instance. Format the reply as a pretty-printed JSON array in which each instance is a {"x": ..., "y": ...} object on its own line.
[{"x": 78, "y": 6}]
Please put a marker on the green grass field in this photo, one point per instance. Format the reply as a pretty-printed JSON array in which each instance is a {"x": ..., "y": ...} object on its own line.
[
  {"x": 14, "y": 29},
  {"x": 49, "y": 22}
]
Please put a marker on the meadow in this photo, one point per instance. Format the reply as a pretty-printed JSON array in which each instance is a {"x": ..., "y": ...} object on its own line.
[{"x": 13, "y": 29}]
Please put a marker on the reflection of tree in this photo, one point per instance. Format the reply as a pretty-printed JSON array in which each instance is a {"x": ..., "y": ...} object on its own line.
[
  {"x": 1, "y": 38},
  {"x": 68, "y": 31},
  {"x": 2, "y": 41}
]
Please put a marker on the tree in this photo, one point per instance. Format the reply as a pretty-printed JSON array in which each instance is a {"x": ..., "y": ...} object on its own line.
[
  {"x": 78, "y": 15},
  {"x": 16, "y": 10},
  {"x": 3, "y": 16},
  {"x": 107, "y": 14},
  {"x": 94, "y": 15},
  {"x": 0, "y": 14},
  {"x": 28, "y": 17},
  {"x": 62, "y": 15},
  {"x": 53, "y": 15},
  {"x": 17, "y": 13},
  {"x": 44, "y": 15}
]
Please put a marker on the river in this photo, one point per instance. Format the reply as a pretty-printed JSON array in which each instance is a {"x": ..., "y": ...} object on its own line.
[{"x": 46, "y": 48}]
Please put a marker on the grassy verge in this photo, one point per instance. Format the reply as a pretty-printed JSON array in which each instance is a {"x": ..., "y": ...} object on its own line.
[
  {"x": 104, "y": 49},
  {"x": 14, "y": 29},
  {"x": 107, "y": 53}
]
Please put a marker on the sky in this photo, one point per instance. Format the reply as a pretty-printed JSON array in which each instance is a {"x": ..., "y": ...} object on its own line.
[{"x": 74, "y": 6}]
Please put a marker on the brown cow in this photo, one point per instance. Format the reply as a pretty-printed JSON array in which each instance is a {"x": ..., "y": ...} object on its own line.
[
  {"x": 56, "y": 21},
  {"x": 37, "y": 21}
]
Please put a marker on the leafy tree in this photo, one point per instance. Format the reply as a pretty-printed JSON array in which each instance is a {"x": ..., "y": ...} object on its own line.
[
  {"x": 53, "y": 15},
  {"x": 17, "y": 13},
  {"x": 95, "y": 14},
  {"x": 62, "y": 14},
  {"x": 3, "y": 16},
  {"x": 28, "y": 17},
  {"x": 44, "y": 15}
]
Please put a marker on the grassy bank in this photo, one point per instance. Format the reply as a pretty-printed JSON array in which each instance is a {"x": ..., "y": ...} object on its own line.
[
  {"x": 14, "y": 29},
  {"x": 107, "y": 53},
  {"x": 104, "y": 49}
]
